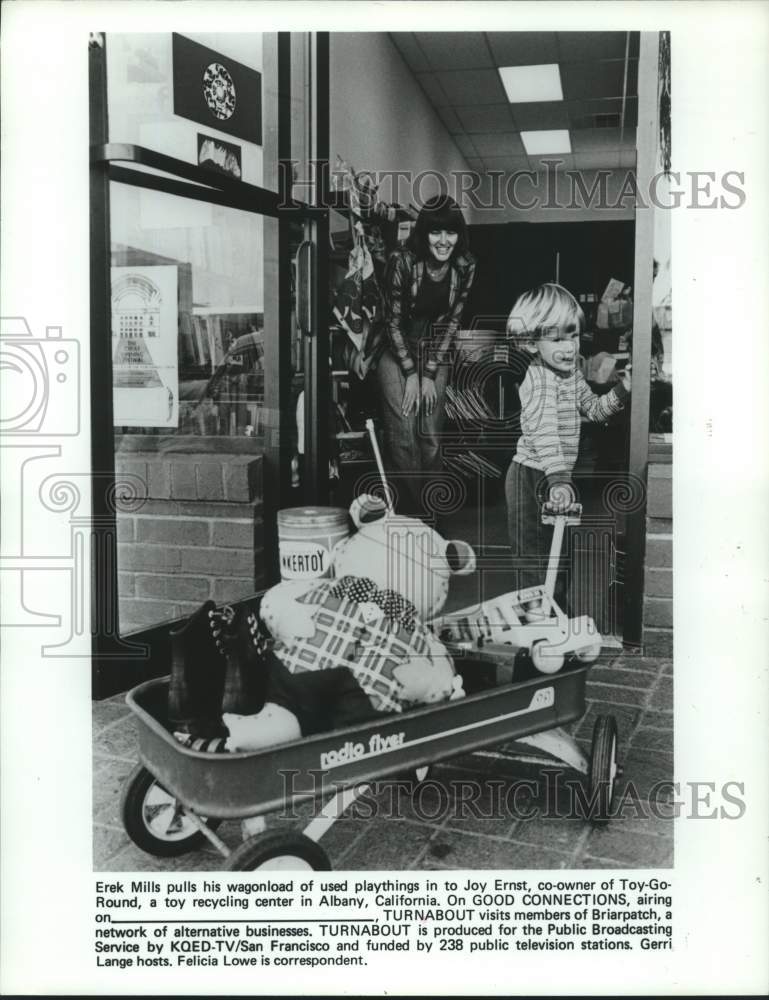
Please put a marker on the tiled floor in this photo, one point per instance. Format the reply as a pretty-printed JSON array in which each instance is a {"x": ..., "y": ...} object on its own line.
[{"x": 437, "y": 826}]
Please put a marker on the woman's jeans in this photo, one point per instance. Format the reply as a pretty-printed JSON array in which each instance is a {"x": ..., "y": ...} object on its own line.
[{"x": 412, "y": 452}]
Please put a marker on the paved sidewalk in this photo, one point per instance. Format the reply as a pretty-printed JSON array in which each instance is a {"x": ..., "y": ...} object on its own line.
[{"x": 436, "y": 827}]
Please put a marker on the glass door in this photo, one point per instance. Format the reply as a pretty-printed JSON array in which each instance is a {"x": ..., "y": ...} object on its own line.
[{"x": 200, "y": 364}]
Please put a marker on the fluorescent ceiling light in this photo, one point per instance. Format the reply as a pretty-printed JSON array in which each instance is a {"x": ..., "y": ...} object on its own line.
[
  {"x": 532, "y": 83},
  {"x": 546, "y": 141}
]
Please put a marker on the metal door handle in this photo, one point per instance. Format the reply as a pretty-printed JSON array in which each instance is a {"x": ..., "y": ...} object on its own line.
[{"x": 305, "y": 286}]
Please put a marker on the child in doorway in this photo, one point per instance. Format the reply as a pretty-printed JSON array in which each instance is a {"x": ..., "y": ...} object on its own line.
[{"x": 546, "y": 322}]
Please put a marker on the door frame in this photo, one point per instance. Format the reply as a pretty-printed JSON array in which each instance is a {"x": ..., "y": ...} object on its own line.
[
  {"x": 638, "y": 457},
  {"x": 119, "y": 662}
]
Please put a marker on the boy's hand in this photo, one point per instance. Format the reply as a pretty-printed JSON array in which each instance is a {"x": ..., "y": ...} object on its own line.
[
  {"x": 411, "y": 396},
  {"x": 429, "y": 394},
  {"x": 561, "y": 496},
  {"x": 626, "y": 378}
]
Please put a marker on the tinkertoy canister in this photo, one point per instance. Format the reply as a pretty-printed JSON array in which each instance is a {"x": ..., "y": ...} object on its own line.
[{"x": 306, "y": 538}]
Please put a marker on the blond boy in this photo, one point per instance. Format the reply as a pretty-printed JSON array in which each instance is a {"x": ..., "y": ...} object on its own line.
[{"x": 546, "y": 322}]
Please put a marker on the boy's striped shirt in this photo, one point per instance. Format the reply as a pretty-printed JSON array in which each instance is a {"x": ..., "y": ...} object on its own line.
[{"x": 551, "y": 405}]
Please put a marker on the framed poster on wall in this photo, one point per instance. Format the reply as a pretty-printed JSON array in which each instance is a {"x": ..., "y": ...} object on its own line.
[{"x": 145, "y": 360}]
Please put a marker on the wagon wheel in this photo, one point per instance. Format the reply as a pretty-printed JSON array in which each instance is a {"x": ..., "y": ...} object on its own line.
[
  {"x": 545, "y": 658},
  {"x": 278, "y": 851},
  {"x": 604, "y": 769},
  {"x": 155, "y": 820}
]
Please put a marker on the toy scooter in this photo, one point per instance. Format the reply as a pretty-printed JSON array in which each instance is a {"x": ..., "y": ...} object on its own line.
[
  {"x": 528, "y": 619},
  {"x": 504, "y": 625}
]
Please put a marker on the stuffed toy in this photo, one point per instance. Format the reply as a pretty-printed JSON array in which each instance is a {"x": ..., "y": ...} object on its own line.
[
  {"x": 273, "y": 725},
  {"x": 322, "y": 654},
  {"x": 228, "y": 690},
  {"x": 374, "y": 633},
  {"x": 402, "y": 554}
]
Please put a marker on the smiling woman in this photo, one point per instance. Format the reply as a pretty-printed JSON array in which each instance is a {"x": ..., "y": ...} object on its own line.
[{"x": 425, "y": 291}]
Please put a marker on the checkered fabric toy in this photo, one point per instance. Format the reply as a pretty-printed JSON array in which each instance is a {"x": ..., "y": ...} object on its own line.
[
  {"x": 393, "y": 605},
  {"x": 356, "y": 625}
]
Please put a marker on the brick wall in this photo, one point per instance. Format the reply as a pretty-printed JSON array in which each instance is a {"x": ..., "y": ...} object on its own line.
[
  {"x": 658, "y": 589},
  {"x": 197, "y": 534}
]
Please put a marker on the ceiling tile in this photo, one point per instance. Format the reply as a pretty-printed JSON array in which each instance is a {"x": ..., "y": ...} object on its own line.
[
  {"x": 470, "y": 86},
  {"x": 431, "y": 86},
  {"x": 585, "y": 140},
  {"x": 562, "y": 161},
  {"x": 592, "y": 79},
  {"x": 465, "y": 145},
  {"x": 523, "y": 48},
  {"x": 508, "y": 164},
  {"x": 449, "y": 118},
  {"x": 542, "y": 142},
  {"x": 582, "y": 114},
  {"x": 597, "y": 159},
  {"x": 527, "y": 84},
  {"x": 540, "y": 114},
  {"x": 498, "y": 143},
  {"x": 455, "y": 49},
  {"x": 408, "y": 47},
  {"x": 583, "y": 46},
  {"x": 489, "y": 118}
]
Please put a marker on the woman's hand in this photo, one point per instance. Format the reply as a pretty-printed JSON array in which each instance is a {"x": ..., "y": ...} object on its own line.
[
  {"x": 411, "y": 395},
  {"x": 356, "y": 365},
  {"x": 429, "y": 394}
]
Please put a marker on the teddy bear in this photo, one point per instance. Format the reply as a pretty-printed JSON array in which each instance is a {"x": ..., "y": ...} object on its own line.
[{"x": 402, "y": 554}]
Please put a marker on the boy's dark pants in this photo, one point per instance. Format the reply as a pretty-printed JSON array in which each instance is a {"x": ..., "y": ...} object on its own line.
[{"x": 525, "y": 491}]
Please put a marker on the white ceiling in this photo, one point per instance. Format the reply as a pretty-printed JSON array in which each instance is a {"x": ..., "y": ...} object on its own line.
[{"x": 458, "y": 73}]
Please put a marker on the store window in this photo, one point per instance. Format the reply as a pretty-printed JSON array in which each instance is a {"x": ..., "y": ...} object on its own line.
[
  {"x": 187, "y": 277},
  {"x": 195, "y": 97},
  {"x": 193, "y": 304},
  {"x": 188, "y": 364}
]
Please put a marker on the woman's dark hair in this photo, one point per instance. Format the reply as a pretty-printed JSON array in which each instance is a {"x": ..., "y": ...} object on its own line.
[{"x": 440, "y": 212}]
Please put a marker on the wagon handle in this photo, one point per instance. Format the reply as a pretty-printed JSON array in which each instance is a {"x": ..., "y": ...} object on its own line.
[
  {"x": 379, "y": 465},
  {"x": 572, "y": 515}
]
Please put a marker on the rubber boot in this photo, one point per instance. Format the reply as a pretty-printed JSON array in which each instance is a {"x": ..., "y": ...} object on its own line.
[
  {"x": 247, "y": 673},
  {"x": 197, "y": 676}
]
